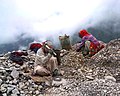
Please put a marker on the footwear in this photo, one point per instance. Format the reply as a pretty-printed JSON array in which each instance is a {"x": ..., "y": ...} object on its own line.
[{"x": 55, "y": 73}]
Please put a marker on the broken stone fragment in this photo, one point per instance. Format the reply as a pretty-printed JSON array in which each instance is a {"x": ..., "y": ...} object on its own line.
[
  {"x": 15, "y": 91},
  {"x": 9, "y": 89},
  {"x": 90, "y": 77},
  {"x": 0, "y": 81},
  {"x": 110, "y": 78},
  {"x": 3, "y": 88},
  {"x": 58, "y": 83},
  {"x": 2, "y": 58},
  {"x": 15, "y": 74}
]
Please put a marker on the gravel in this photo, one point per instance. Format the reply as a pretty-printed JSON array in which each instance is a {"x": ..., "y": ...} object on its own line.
[{"x": 96, "y": 76}]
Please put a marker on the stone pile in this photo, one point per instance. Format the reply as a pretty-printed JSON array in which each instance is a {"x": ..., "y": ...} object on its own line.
[
  {"x": 14, "y": 81},
  {"x": 109, "y": 57},
  {"x": 96, "y": 76}
]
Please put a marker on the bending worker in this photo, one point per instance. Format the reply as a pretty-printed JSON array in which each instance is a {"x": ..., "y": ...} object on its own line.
[{"x": 89, "y": 45}]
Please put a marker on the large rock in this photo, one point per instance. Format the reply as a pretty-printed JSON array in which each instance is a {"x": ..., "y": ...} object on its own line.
[
  {"x": 15, "y": 74},
  {"x": 0, "y": 81}
]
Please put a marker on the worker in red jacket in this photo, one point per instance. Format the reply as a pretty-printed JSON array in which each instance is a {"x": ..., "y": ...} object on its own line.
[{"x": 89, "y": 45}]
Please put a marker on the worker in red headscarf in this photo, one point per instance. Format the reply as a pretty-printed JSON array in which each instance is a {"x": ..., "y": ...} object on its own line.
[{"x": 89, "y": 45}]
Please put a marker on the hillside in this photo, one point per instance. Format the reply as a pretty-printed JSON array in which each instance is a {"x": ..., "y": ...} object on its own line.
[{"x": 96, "y": 76}]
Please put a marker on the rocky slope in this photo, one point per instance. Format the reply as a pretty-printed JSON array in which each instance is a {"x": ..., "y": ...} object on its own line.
[{"x": 96, "y": 76}]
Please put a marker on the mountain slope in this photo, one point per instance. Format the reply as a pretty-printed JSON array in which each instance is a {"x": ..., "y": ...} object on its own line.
[{"x": 99, "y": 75}]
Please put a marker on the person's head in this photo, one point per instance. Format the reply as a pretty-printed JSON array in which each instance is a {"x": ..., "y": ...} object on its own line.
[
  {"x": 46, "y": 45},
  {"x": 83, "y": 33}
]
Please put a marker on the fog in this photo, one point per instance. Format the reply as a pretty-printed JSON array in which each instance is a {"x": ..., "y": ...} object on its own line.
[{"x": 40, "y": 19}]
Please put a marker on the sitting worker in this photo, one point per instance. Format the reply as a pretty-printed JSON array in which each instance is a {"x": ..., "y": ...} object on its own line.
[
  {"x": 45, "y": 62},
  {"x": 89, "y": 45}
]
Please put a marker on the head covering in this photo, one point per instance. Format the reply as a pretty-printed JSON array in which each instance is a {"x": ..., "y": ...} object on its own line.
[
  {"x": 48, "y": 43},
  {"x": 83, "y": 33}
]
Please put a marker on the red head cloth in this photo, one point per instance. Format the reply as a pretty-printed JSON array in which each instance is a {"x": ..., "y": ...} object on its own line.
[{"x": 83, "y": 33}]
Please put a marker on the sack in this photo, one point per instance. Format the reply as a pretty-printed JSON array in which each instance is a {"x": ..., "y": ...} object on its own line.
[
  {"x": 35, "y": 46},
  {"x": 65, "y": 42},
  {"x": 16, "y": 57}
]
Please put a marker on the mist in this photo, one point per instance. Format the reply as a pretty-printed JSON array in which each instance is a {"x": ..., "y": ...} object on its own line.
[{"x": 40, "y": 19}]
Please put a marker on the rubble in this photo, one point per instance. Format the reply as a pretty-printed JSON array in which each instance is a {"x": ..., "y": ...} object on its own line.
[
  {"x": 96, "y": 76},
  {"x": 15, "y": 74}
]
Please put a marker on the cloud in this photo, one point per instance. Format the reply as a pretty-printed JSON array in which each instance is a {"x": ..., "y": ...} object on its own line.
[{"x": 43, "y": 18}]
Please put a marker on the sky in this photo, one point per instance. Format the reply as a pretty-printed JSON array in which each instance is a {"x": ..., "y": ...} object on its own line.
[{"x": 42, "y": 18}]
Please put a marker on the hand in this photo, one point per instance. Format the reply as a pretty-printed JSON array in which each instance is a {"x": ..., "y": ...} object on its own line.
[
  {"x": 49, "y": 55},
  {"x": 50, "y": 51}
]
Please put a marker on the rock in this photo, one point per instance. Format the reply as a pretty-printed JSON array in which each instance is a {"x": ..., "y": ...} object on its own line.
[
  {"x": 22, "y": 92},
  {"x": 24, "y": 67},
  {"x": 2, "y": 58},
  {"x": 3, "y": 88},
  {"x": 35, "y": 86},
  {"x": 2, "y": 71},
  {"x": 31, "y": 89},
  {"x": 10, "y": 82},
  {"x": 10, "y": 85},
  {"x": 0, "y": 81},
  {"x": 4, "y": 85},
  {"x": 15, "y": 81},
  {"x": 22, "y": 95},
  {"x": 58, "y": 83},
  {"x": 8, "y": 70},
  {"x": 37, "y": 92},
  {"x": 90, "y": 77},
  {"x": 7, "y": 81},
  {"x": 40, "y": 87},
  {"x": 15, "y": 91},
  {"x": 9, "y": 78},
  {"x": 110, "y": 78},
  {"x": 47, "y": 83},
  {"x": 27, "y": 83},
  {"x": 62, "y": 72},
  {"x": 15, "y": 74},
  {"x": 17, "y": 65},
  {"x": 13, "y": 94},
  {"x": 30, "y": 81},
  {"x": 9, "y": 89},
  {"x": 31, "y": 62},
  {"x": 90, "y": 70},
  {"x": 4, "y": 94},
  {"x": 2, "y": 68},
  {"x": 30, "y": 92}
]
